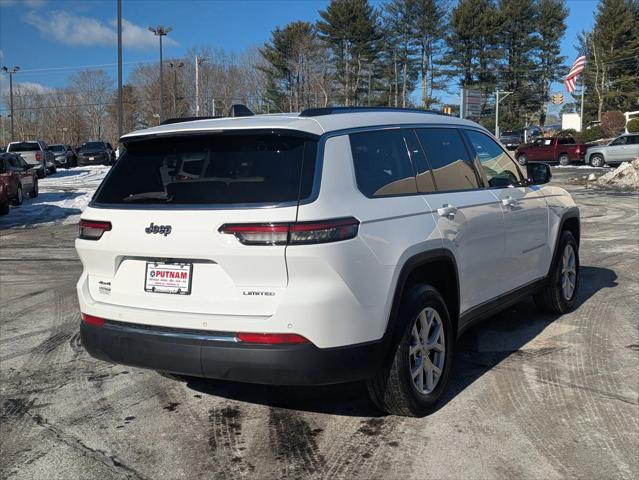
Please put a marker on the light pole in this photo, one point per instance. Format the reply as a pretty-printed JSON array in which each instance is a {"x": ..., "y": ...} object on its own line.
[
  {"x": 175, "y": 66},
  {"x": 120, "y": 109},
  {"x": 11, "y": 71},
  {"x": 161, "y": 31},
  {"x": 2, "y": 117},
  {"x": 497, "y": 99},
  {"x": 198, "y": 61}
]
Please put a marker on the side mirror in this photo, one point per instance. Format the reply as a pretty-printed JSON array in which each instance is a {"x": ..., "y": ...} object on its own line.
[{"x": 539, "y": 173}]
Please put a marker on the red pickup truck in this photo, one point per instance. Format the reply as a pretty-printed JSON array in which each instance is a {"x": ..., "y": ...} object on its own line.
[{"x": 558, "y": 149}]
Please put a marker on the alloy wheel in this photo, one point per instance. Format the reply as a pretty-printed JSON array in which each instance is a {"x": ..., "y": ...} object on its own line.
[
  {"x": 568, "y": 272},
  {"x": 427, "y": 351}
]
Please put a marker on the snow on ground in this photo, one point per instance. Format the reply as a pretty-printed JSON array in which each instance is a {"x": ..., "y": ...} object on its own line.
[{"x": 62, "y": 198}]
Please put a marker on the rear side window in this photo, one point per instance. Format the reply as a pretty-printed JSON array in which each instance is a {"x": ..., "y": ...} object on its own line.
[
  {"x": 382, "y": 165},
  {"x": 24, "y": 147},
  {"x": 448, "y": 158},
  {"x": 219, "y": 169},
  {"x": 566, "y": 141}
]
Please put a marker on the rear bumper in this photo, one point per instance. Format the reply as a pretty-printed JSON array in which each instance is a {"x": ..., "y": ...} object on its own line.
[
  {"x": 96, "y": 161},
  {"x": 218, "y": 356}
]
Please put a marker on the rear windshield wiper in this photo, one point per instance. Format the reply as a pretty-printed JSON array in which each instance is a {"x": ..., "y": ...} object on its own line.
[{"x": 147, "y": 196}]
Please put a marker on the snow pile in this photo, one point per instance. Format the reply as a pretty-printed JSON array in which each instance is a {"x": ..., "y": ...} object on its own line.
[
  {"x": 62, "y": 198},
  {"x": 624, "y": 177}
]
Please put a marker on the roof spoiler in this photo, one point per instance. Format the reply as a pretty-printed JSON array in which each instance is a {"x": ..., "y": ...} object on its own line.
[{"x": 236, "y": 110}]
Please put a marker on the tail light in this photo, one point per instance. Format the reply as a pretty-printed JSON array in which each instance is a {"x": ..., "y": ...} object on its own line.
[
  {"x": 92, "y": 229},
  {"x": 299, "y": 233},
  {"x": 92, "y": 320},
  {"x": 38, "y": 157},
  {"x": 272, "y": 338}
]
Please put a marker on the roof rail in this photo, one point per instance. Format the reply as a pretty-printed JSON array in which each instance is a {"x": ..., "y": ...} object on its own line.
[
  {"x": 169, "y": 121},
  {"x": 318, "y": 112}
]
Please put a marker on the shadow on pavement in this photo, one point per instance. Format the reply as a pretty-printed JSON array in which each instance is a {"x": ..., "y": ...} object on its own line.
[{"x": 479, "y": 350}]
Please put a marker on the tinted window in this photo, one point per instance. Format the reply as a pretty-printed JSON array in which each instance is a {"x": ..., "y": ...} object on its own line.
[
  {"x": 633, "y": 139},
  {"x": 619, "y": 141},
  {"x": 213, "y": 169},
  {"x": 92, "y": 146},
  {"x": 448, "y": 158},
  {"x": 425, "y": 181},
  {"x": 24, "y": 147},
  {"x": 566, "y": 141},
  {"x": 14, "y": 162},
  {"x": 382, "y": 165},
  {"x": 57, "y": 148},
  {"x": 499, "y": 168}
]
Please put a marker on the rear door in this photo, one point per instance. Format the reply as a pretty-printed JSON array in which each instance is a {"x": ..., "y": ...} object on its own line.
[
  {"x": 167, "y": 199},
  {"x": 469, "y": 218},
  {"x": 524, "y": 209}
]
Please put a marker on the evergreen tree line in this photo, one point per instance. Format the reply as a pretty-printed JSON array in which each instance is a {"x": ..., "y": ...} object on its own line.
[
  {"x": 401, "y": 53},
  {"x": 405, "y": 53}
]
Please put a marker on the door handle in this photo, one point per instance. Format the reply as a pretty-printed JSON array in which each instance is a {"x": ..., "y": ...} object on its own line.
[
  {"x": 447, "y": 210},
  {"x": 508, "y": 201}
]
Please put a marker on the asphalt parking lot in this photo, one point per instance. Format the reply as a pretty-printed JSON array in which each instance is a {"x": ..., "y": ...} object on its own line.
[{"x": 532, "y": 395}]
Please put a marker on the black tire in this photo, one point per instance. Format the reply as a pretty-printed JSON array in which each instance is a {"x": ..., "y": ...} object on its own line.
[
  {"x": 552, "y": 298},
  {"x": 52, "y": 170},
  {"x": 34, "y": 193},
  {"x": 597, "y": 160},
  {"x": 564, "y": 160},
  {"x": 393, "y": 390},
  {"x": 4, "y": 208},
  {"x": 41, "y": 173},
  {"x": 522, "y": 160},
  {"x": 17, "y": 201}
]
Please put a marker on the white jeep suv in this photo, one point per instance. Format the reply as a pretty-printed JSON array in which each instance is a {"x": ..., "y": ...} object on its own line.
[{"x": 334, "y": 245}]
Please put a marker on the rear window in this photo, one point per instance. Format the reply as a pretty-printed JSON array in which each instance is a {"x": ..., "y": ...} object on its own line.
[
  {"x": 57, "y": 148},
  {"x": 213, "y": 169},
  {"x": 566, "y": 141},
  {"x": 92, "y": 146},
  {"x": 24, "y": 147}
]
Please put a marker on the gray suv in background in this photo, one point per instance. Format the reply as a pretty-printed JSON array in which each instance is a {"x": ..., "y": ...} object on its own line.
[{"x": 624, "y": 148}]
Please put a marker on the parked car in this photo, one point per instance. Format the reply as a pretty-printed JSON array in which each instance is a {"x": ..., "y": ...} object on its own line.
[
  {"x": 35, "y": 153},
  {"x": 557, "y": 149},
  {"x": 511, "y": 140},
  {"x": 370, "y": 274},
  {"x": 18, "y": 177},
  {"x": 624, "y": 148},
  {"x": 95, "y": 153},
  {"x": 64, "y": 155}
]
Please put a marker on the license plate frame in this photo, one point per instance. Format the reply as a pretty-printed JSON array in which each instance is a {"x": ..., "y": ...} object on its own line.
[{"x": 171, "y": 284}]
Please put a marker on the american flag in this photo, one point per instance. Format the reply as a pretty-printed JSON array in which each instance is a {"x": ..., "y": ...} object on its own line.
[{"x": 570, "y": 82}]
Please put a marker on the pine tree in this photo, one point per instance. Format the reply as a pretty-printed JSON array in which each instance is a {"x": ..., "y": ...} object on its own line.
[
  {"x": 519, "y": 44},
  {"x": 428, "y": 25},
  {"x": 401, "y": 45},
  {"x": 612, "y": 49},
  {"x": 551, "y": 26},
  {"x": 350, "y": 29},
  {"x": 292, "y": 54},
  {"x": 472, "y": 46}
]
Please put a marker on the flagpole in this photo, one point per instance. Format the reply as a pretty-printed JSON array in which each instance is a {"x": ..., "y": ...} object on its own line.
[{"x": 581, "y": 115}]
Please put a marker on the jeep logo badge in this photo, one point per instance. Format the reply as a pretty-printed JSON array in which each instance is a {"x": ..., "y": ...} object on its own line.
[{"x": 162, "y": 229}]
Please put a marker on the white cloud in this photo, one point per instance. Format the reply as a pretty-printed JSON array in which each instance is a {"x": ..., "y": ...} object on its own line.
[
  {"x": 24, "y": 87},
  {"x": 28, "y": 3},
  {"x": 77, "y": 30}
]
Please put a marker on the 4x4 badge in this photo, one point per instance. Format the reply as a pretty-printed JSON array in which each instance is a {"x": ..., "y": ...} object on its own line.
[{"x": 162, "y": 229}]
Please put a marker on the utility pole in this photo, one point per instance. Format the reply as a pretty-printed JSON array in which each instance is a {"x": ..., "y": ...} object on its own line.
[
  {"x": 11, "y": 71},
  {"x": 198, "y": 61},
  {"x": 461, "y": 103},
  {"x": 2, "y": 117},
  {"x": 161, "y": 31},
  {"x": 120, "y": 109},
  {"x": 175, "y": 66},
  {"x": 497, "y": 100}
]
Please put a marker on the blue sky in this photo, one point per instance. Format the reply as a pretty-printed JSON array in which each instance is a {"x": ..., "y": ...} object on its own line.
[{"x": 50, "y": 39}]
